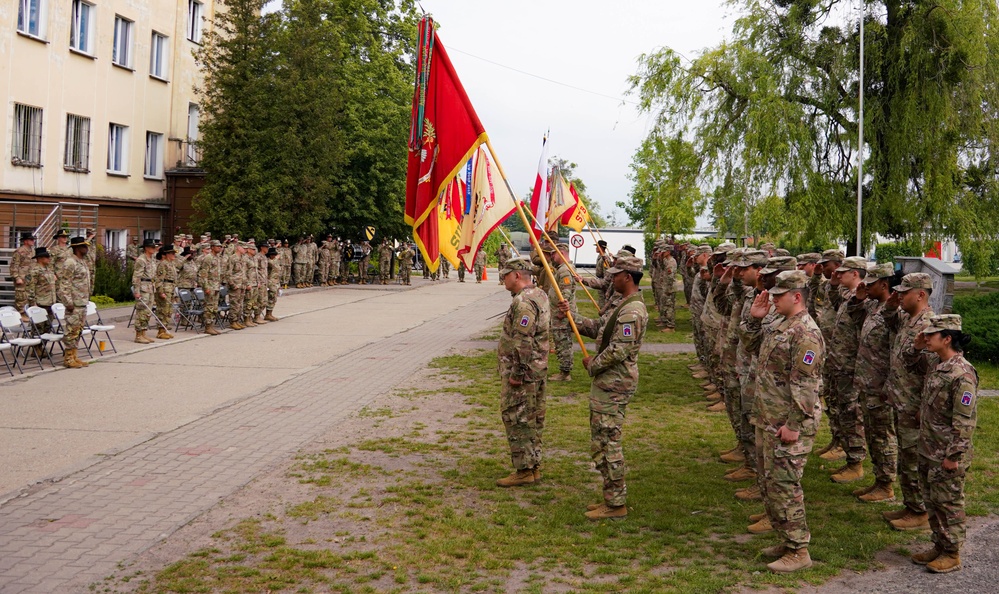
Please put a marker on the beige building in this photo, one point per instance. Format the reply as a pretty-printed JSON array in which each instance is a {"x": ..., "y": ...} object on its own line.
[{"x": 100, "y": 110}]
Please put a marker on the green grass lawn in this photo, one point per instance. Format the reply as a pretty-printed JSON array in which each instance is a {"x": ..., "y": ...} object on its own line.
[
  {"x": 444, "y": 526},
  {"x": 988, "y": 376}
]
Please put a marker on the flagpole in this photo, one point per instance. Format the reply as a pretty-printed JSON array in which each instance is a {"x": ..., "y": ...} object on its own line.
[
  {"x": 569, "y": 264},
  {"x": 537, "y": 246},
  {"x": 508, "y": 240}
]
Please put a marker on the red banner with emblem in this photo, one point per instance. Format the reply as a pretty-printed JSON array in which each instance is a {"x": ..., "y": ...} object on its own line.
[{"x": 445, "y": 132}]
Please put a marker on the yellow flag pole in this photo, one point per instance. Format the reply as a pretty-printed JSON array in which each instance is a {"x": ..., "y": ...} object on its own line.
[
  {"x": 567, "y": 263},
  {"x": 508, "y": 240},
  {"x": 537, "y": 246}
]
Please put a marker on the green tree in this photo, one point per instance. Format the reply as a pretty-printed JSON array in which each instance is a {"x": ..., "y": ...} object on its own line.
[
  {"x": 779, "y": 103},
  {"x": 665, "y": 197}
]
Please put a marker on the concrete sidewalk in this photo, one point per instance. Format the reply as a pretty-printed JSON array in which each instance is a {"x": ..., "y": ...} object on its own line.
[{"x": 159, "y": 435}]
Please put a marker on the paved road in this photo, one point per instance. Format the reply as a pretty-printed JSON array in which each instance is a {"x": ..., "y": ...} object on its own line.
[{"x": 158, "y": 436}]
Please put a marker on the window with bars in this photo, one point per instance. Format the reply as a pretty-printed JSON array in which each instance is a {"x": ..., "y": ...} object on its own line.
[
  {"x": 31, "y": 17},
  {"x": 154, "y": 155},
  {"x": 121, "y": 51},
  {"x": 118, "y": 149},
  {"x": 194, "y": 16},
  {"x": 26, "y": 146},
  {"x": 81, "y": 32},
  {"x": 158, "y": 50},
  {"x": 77, "y": 157}
]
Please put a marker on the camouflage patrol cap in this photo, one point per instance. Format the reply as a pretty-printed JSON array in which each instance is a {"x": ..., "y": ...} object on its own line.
[
  {"x": 733, "y": 255},
  {"x": 831, "y": 256},
  {"x": 781, "y": 252},
  {"x": 809, "y": 258},
  {"x": 562, "y": 246},
  {"x": 915, "y": 280},
  {"x": 522, "y": 263},
  {"x": 228, "y": 236},
  {"x": 943, "y": 322},
  {"x": 215, "y": 243},
  {"x": 724, "y": 248},
  {"x": 789, "y": 280},
  {"x": 704, "y": 249},
  {"x": 547, "y": 248},
  {"x": 853, "y": 263},
  {"x": 623, "y": 253},
  {"x": 751, "y": 258},
  {"x": 628, "y": 263},
  {"x": 768, "y": 246},
  {"x": 780, "y": 264},
  {"x": 876, "y": 272}
]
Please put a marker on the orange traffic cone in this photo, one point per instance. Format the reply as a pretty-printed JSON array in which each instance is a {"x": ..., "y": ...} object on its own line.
[{"x": 485, "y": 276}]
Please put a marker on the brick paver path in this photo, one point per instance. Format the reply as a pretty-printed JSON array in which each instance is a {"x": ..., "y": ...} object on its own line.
[{"x": 66, "y": 535}]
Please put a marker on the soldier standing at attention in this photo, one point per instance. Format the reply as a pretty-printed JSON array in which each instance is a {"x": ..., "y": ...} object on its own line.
[
  {"x": 824, "y": 295},
  {"x": 614, "y": 370},
  {"x": 336, "y": 257},
  {"x": 301, "y": 252},
  {"x": 947, "y": 421},
  {"x": 92, "y": 257},
  {"x": 362, "y": 264},
  {"x": 273, "y": 282},
  {"x": 667, "y": 304},
  {"x": 523, "y": 367},
  {"x": 561, "y": 331},
  {"x": 235, "y": 279},
  {"x": 20, "y": 267},
  {"x": 406, "y": 264},
  {"x": 480, "y": 265},
  {"x": 385, "y": 261},
  {"x": 42, "y": 289},
  {"x": 869, "y": 382},
  {"x": 74, "y": 293},
  {"x": 604, "y": 261},
  {"x": 132, "y": 251},
  {"x": 143, "y": 276},
  {"x": 251, "y": 301},
  {"x": 787, "y": 413},
  {"x": 502, "y": 255},
  {"x": 210, "y": 279},
  {"x": 461, "y": 272},
  {"x": 325, "y": 259},
  {"x": 164, "y": 283},
  {"x": 905, "y": 387}
]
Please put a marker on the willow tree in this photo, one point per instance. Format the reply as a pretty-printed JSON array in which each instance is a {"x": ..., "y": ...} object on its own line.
[
  {"x": 779, "y": 102},
  {"x": 665, "y": 197}
]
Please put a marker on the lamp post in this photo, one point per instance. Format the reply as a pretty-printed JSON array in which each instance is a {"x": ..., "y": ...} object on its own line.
[{"x": 860, "y": 140}]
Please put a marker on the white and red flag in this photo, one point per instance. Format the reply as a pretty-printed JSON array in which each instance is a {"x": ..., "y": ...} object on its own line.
[{"x": 539, "y": 197}]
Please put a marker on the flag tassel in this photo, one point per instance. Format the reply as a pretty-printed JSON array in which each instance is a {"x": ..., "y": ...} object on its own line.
[{"x": 537, "y": 246}]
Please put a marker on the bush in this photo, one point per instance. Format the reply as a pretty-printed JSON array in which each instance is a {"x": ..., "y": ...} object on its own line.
[
  {"x": 981, "y": 258},
  {"x": 113, "y": 275},
  {"x": 980, "y": 319},
  {"x": 889, "y": 252},
  {"x": 102, "y": 300}
]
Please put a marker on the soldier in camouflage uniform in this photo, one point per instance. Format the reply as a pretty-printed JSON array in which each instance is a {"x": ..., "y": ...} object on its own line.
[
  {"x": 336, "y": 260},
  {"x": 561, "y": 330},
  {"x": 905, "y": 386},
  {"x": 869, "y": 383},
  {"x": 273, "y": 283},
  {"x": 91, "y": 259},
  {"x": 480, "y": 266},
  {"x": 41, "y": 286},
  {"x": 698, "y": 294},
  {"x": 824, "y": 301},
  {"x": 60, "y": 251},
  {"x": 502, "y": 255},
  {"x": 667, "y": 289},
  {"x": 301, "y": 258},
  {"x": 406, "y": 265},
  {"x": 187, "y": 270},
  {"x": 164, "y": 284},
  {"x": 523, "y": 368},
  {"x": 20, "y": 267},
  {"x": 614, "y": 369},
  {"x": 251, "y": 306},
  {"x": 840, "y": 366},
  {"x": 947, "y": 420},
  {"x": 74, "y": 292},
  {"x": 143, "y": 276},
  {"x": 711, "y": 324},
  {"x": 362, "y": 264},
  {"x": 325, "y": 261},
  {"x": 210, "y": 279},
  {"x": 786, "y": 411},
  {"x": 234, "y": 273},
  {"x": 385, "y": 261},
  {"x": 263, "y": 281},
  {"x": 132, "y": 251}
]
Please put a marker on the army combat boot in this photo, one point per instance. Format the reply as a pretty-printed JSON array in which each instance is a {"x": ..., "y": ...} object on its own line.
[
  {"x": 259, "y": 320},
  {"x": 162, "y": 334},
  {"x": 270, "y": 317},
  {"x": 248, "y": 322},
  {"x": 741, "y": 474},
  {"x": 607, "y": 512},
  {"x": 945, "y": 563},
  {"x": 750, "y": 493},
  {"x": 834, "y": 455},
  {"x": 912, "y": 521},
  {"x": 211, "y": 330},
  {"x": 763, "y": 526},
  {"x": 894, "y": 515},
  {"x": 880, "y": 493},
  {"x": 774, "y": 551},
  {"x": 562, "y": 376},
  {"x": 926, "y": 556},
  {"x": 517, "y": 478},
  {"x": 718, "y": 406},
  {"x": 537, "y": 473},
  {"x": 733, "y": 456},
  {"x": 69, "y": 360},
  {"x": 854, "y": 471},
  {"x": 793, "y": 560},
  {"x": 702, "y": 374},
  {"x": 141, "y": 338},
  {"x": 754, "y": 518}
]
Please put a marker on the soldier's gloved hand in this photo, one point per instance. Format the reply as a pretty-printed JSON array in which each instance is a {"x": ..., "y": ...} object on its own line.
[{"x": 563, "y": 306}]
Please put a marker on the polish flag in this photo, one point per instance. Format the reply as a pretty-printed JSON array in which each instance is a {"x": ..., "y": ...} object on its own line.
[{"x": 539, "y": 197}]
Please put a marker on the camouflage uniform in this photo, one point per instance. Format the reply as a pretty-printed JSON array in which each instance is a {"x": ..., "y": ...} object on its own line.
[
  {"x": 788, "y": 379},
  {"x": 698, "y": 294},
  {"x": 406, "y": 265},
  {"x": 667, "y": 300},
  {"x": 614, "y": 369},
  {"x": 20, "y": 267},
  {"x": 480, "y": 265},
  {"x": 301, "y": 254},
  {"x": 840, "y": 365},
  {"x": 523, "y": 355},
  {"x": 325, "y": 260},
  {"x": 869, "y": 384},
  {"x": 41, "y": 286},
  {"x": 729, "y": 300},
  {"x": 164, "y": 284},
  {"x": 132, "y": 252},
  {"x": 362, "y": 264},
  {"x": 336, "y": 256},
  {"x": 906, "y": 377},
  {"x": 187, "y": 273},
  {"x": 235, "y": 279},
  {"x": 210, "y": 279},
  {"x": 143, "y": 276},
  {"x": 385, "y": 262},
  {"x": 502, "y": 255},
  {"x": 60, "y": 253},
  {"x": 74, "y": 289},
  {"x": 948, "y": 417},
  {"x": 561, "y": 330},
  {"x": 274, "y": 274}
]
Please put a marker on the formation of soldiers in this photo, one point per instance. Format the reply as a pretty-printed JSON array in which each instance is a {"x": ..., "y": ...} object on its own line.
[{"x": 776, "y": 337}]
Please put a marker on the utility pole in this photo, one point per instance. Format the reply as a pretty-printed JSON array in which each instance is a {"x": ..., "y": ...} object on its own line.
[{"x": 860, "y": 141}]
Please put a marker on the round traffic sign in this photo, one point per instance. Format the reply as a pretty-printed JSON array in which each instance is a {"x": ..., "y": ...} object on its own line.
[{"x": 576, "y": 240}]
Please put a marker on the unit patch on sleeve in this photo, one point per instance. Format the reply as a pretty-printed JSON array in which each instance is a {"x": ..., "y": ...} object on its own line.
[
  {"x": 967, "y": 398},
  {"x": 524, "y": 321},
  {"x": 809, "y": 358}
]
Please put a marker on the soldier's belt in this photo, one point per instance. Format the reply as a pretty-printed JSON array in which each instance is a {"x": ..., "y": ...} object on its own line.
[{"x": 146, "y": 280}]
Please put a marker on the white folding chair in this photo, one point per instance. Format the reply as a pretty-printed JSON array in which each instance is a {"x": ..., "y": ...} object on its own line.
[
  {"x": 59, "y": 312},
  {"x": 100, "y": 326},
  {"x": 39, "y": 317},
  {"x": 13, "y": 333},
  {"x": 4, "y": 347}
]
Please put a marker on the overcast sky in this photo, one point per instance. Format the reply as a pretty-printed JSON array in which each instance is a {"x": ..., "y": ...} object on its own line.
[{"x": 583, "y": 43}]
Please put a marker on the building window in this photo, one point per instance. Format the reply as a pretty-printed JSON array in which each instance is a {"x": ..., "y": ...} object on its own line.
[
  {"x": 26, "y": 147},
  {"x": 121, "y": 52},
  {"x": 115, "y": 240},
  {"x": 154, "y": 155},
  {"x": 81, "y": 32},
  {"x": 118, "y": 149},
  {"x": 77, "y": 143},
  {"x": 194, "y": 16},
  {"x": 192, "y": 153},
  {"x": 31, "y": 17},
  {"x": 158, "y": 50},
  {"x": 151, "y": 234}
]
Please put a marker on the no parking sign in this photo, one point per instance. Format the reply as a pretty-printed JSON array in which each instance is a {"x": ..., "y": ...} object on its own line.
[{"x": 576, "y": 240}]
